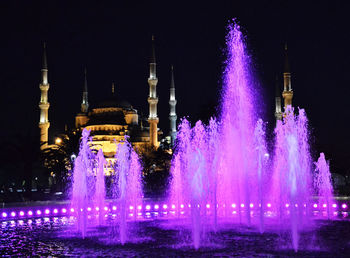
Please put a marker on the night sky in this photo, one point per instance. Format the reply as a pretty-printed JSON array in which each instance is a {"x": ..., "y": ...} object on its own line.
[{"x": 113, "y": 41}]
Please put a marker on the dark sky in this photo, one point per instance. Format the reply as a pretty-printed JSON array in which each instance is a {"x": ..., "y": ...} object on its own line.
[{"x": 113, "y": 40}]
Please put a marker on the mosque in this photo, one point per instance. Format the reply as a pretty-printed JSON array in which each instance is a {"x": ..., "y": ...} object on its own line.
[{"x": 113, "y": 119}]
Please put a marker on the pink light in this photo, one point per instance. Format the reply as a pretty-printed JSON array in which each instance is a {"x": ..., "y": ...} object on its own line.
[
  {"x": 13, "y": 214},
  {"x": 208, "y": 206},
  {"x": 173, "y": 206},
  {"x": 269, "y": 205},
  {"x": 21, "y": 213},
  {"x": 334, "y": 205},
  {"x": 47, "y": 211},
  {"x": 38, "y": 212},
  {"x": 305, "y": 205},
  {"x": 287, "y": 205},
  {"x": 189, "y": 206},
  {"x": 156, "y": 206},
  {"x": 165, "y": 206},
  {"x": 344, "y": 206},
  {"x": 30, "y": 213},
  {"x": 148, "y": 207},
  {"x": 71, "y": 210},
  {"x": 114, "y": 208},
  {"x": 131, "y": 207},
  {"x": 106, "y": 208},
  {"x": 251, "y": 205},
  {"x": 296, "y": 205},
  {"x": 324, "y": 205},
  {"x": 64, "y": 210},
  {"x": 182, "y": 206},
  {"x": 242, "y": 205},
  {"x": 55, "y": 211},
  {"x": 233, "y": 205},
  {"x": 139, "y": 207},
  {"x": 4, "y": 214},
  {"x": 89, "y": 208},
  {"x": 315, "y": 205}
]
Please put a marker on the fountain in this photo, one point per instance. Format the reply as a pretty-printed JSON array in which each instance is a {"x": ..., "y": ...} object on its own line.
[{"x": 229, "y": 193}]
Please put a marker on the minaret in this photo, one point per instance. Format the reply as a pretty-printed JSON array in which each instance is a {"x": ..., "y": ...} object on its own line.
[
  {"x": 153, "y": 100},
  {"x": 287, "y": 89},
  {"x": 44, "y": 105},
  {"x": 278, "y": 101},
  {"x": 85, "y": 102},
  {"x": 172, "y": 104}
]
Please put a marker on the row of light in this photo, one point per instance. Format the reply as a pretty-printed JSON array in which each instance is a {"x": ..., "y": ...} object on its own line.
[{"x": 147, "y": 207}]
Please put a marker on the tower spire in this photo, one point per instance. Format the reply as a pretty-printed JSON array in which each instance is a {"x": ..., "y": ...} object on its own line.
[
  {"x": 172, "y": 105},
  {"x": 85, "y": 102},
  {"x": 44, "y": 105},
  {"x": 287, "y": 85},
  {"x": 113, "y": 88},
  {"x": 153, "y": 99}
]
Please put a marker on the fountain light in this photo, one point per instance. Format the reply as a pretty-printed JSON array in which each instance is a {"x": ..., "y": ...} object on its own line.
[
  {"x": 315, "y": 205},
  {"x": 131, "y": 207},
  {"x": 47, "y": 211},
  {"x": 334, "y": 205},
  {"x": 13, "y": 214},
  {"x": 242, "y": 205},
  {"x": 344, "y": 206},
  {"x": 173, "y": 206},
  {"x": 21, "y": 213},
  {"x": 55, "y": 211},
  {"x": 251, "y": 205},
  {"x": 148, "y": 207},
  {"x": 233, "y": 205},
  {"x": 269, "y": 205},
  {"x": 114, "y": 208},
  {"x": 64, "y": 210},
  {"x": 71, "y": 210},
  {"x": 287, "y": 205},
  {"x": 324, "y": 205},
  {"x": 106, "y": 208},
  {"x": 208, "y": 206},
  {"x": 30, "y": 213},
  {"x": 89, "y": 208},
  {"x": 182, "y": 206},
  {"x": 165, "y": 206},
  {"x": 4, "y": 214},
  {"x": 156, "y": 206},
  {"x": 139, "y": 207},
  {"x": 38, "y": 212},
  {"x": 296, "y": 205},
  {"x": 97, "y": 208}
]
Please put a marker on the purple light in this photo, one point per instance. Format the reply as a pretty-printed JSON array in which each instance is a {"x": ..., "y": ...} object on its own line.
[
  {"x": 156, "y": 206},
  {"x": 47, "y": 211},
  {"x": 165, "y": 206},
  {"x": 334, "y": 205},
  {"x": 21, "y": 213},
  {"x": 38, "y": 212},
  {"x": 269, "y": 205},
  {"x": 4, "y": 214},
  {"x": 315, "y": 205},
  {"x": 55, "y": 211},
  {"x": 114, "y": 208},
  {"x": 148, "y": 207},
  {"x": 30, "y": 213},
  {"x": 64, "y": 210},
  {"x": 344, "y": 206},
  {"x": 13, "y": 214}
]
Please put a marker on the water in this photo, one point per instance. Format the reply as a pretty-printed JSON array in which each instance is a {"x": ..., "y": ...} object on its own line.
[{"x": 323, "y": 183}]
